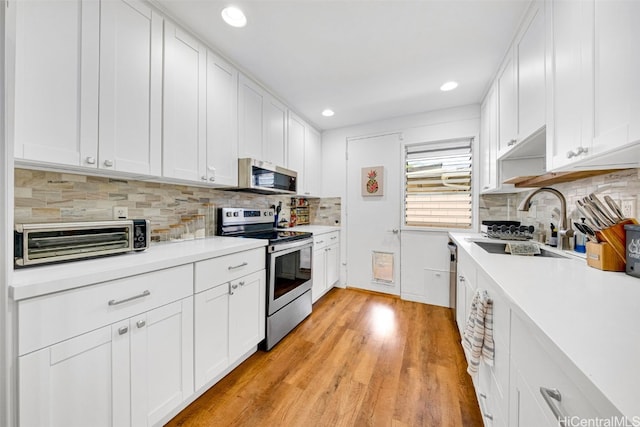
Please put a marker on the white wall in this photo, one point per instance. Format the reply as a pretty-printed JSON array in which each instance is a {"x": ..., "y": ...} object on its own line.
[{"x": 428, "y": 250}]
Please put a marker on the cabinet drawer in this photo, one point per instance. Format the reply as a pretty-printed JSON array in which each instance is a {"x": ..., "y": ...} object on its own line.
[
  {"x": 541, "y": 365},
  {"x": 52, "y": 318},
  {"x": 323, "y": 240},
  {"x": 215, "y": 271}
]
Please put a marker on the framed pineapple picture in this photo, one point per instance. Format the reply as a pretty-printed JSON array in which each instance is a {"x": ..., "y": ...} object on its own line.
[{"x": 373, "y": 181}]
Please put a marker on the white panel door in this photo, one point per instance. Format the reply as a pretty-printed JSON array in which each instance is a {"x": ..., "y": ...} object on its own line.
[
  {"x": 56, "y": 81},
  {"x": 130, "y": 87},
  {"x": 275, "y": 120},
  {"x": 246, "y": 314},
  {"x": 373, "y": 222},
  {"x": 222, "y": 122},
  {"x": 251, "y": 100},
  {"x": 80, "y": 382},
  {"x": 184, "y": 144},
  {"x": 211, "y": 327},
  {"x": 161, "y": 361}
]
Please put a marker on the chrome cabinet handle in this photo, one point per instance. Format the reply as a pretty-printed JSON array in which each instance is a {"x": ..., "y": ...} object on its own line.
[
  {"x": 553, "y": 397},
  {"x": 334, "y": 238},
  {"x": 123, "y": 330},
  {"x": 488, "y": 416},
  {"x": 482, "y": 395},
  {"x": 512, "y": 142},
  {"x": 91, "y": 160},
  {"x": 319, "y": 241},
  {"x": 108, "y": 163},
  {"x": 140, "y": 323},
  {"x": 146, "y": 293},
  {"x": 233, "y": 267},
  {"x": 232, "y": 288}
]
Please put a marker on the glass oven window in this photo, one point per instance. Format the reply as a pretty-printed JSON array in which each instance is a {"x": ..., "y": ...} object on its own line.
[{"x": 291, "y": 271}]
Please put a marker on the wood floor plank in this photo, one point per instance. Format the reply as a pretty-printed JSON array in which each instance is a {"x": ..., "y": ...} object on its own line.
[{"x": 360, "y": 359}]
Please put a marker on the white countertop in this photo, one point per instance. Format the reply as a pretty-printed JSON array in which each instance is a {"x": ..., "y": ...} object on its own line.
[
  {"x": 591, "y": 315},
  {"x": 315, "y": 229},
  {"x": 40, "y": 280}
]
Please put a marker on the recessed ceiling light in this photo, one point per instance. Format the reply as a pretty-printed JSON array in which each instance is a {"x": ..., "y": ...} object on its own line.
[
  {"x": 234, "y": 16},
  {"x": 448, "y": 86},
  {"x": 328, "y": 113}
]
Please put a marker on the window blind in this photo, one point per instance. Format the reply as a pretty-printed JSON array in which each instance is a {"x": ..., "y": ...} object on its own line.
[{"x": 438, "y": 184}]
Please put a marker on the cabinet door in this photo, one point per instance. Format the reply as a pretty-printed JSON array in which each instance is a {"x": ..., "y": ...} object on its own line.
[
  {"x": 246, "y": 314},
  {"x": 211, "y": 334},
  {"x": 184, "y": 145},
  {"x": 312, "y": 162},
  {"x": 83, "y": 381},
  {"x": 616, "y": 57},
  {"x": 222, "y": 122},
  {"x": 333, "y": 265},
  {"x": 319, "y": 274},
  {"x": 489, "y": 142},
  {"x": 531, "y": 75},
  {"x": 525, "y": 409},
  {"x": 461, "y": 304},
  {"x": 569, "y": 90},
  {"x": 251, "y": 100},
  {"x": 297, "y": 134},
  {"x": 56, "y": 81},
  {"x": 130, "y": 87},
  {"x": 275, "y": 121},
  {"x": 161, "y": 361},
  {"x": 507, "y": 105}
]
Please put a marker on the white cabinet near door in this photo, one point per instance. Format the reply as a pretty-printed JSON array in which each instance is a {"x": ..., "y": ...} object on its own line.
[
  {"x": 56, "y": 80},
  {"x": 489, "y": 141},
  {"x": 184, "y": 143},
  {"x": 326, "y": 263},
  {"x": 262, "y": 124},
  {"x": 304, "y": 155}
]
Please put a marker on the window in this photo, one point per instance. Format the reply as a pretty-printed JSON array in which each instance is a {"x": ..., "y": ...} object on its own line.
[{"x": 438, "y": 184}]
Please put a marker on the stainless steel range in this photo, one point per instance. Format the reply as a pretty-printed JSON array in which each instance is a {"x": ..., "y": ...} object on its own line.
[{"x": 288, "y": 264}]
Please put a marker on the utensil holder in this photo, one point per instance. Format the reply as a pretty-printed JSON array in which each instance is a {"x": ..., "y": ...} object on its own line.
[
  {"x": 603, "y": 257},
  {"x": 616, "y": 236}
]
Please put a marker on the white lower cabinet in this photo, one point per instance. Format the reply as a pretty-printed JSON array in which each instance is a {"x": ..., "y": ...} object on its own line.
[
  {"x": 131, "y": 373},
  {"x": 229, "y": 322},
  {"x": 326, "y": 263}
]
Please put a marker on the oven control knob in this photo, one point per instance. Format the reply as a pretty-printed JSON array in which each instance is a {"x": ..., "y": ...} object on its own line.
[
  {"x": 266, "y": 213},
  {"x": 228, "y": 213},
  {"x": 235, "y": 214}
]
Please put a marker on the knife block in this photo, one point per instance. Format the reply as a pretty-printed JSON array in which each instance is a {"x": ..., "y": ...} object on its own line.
[{"x": 603, "y": 257}]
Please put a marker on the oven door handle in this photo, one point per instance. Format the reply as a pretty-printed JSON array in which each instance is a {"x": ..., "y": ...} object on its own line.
[{"x": 285, "y": 246}]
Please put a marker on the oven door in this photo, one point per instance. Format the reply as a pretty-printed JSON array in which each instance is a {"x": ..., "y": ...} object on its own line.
[{"x": 289, "y": 269}]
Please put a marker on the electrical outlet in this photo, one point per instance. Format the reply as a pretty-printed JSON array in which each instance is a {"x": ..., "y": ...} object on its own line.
[
  {"x": 120, "y": 212},
  {"x": 628, "y": 207}
]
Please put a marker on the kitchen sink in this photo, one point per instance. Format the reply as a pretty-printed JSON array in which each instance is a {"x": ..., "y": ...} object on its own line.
[{"x": 499, "y": 248}]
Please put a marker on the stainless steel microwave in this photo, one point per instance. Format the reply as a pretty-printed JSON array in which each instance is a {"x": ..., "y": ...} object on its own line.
[{"x": 262, "y": 177}]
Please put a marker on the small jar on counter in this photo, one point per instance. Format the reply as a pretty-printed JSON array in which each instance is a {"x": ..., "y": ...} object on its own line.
[
  {"x": 160, "y": 235},
  {"x": 175, "y": 232},
  {"x": 188, "y": 229},
  {"x": 199, "y": 226},
  {"x": 209, "y": 210}
]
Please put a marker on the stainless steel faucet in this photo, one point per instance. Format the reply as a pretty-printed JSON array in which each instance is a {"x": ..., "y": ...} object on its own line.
[{"x": 565, "y": 231}]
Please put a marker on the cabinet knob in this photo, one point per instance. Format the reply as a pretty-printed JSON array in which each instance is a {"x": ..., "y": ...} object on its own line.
[
  {"x": 140, "y": 323},
  {"x": 123, "y": 330},
  {"x": 461, "y": 278},
  {"x": 241, "y": 283},
  {"x": 488, "y": 416},
  {"x": 582, "y": 150},
  {"x": 482, "y": 395},
  {"x": 212, "y": 179},
  {"x": 512, "y": 142},
  {"x": 203, "y": 178},
  {"x": 108, "y": 163},
  {"x": 486, "y": 187},
  {"x": 571, "y": 154},
  {"x": 90, "y": 160}
]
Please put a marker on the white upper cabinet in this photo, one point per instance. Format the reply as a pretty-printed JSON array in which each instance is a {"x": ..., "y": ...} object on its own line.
[
  {"x": 616, "y": 57},
  {"x": 296, "y": 134},
  {"x": 222, "y": 122},
  {"x": 489, "y": 142},
  {"x": 305, "y": 155},
  {"x": 184, "y": 139},
  {"x": 569, "y": 91},
  {"x": 56, "y": 80},
  {"x": 262, "y": 124},
  {"x": 521, "y": 84},
  {"x": 130, "y": 88},
  {"x": 89, "y": 73}
]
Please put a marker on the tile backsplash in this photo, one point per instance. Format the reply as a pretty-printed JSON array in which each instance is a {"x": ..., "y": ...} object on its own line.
[
  {"x": 61, "y": 197},
  {"x": 621, "y": 185}
]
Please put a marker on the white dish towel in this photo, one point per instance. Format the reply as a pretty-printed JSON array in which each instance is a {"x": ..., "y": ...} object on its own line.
[{"x": 477, "y": 338}]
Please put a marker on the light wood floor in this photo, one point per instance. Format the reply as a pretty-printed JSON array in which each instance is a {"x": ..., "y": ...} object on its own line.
[{"x": 360, "y": 359}]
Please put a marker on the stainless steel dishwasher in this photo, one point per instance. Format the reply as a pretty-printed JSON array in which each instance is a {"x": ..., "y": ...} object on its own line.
[{"x": 453, "y": 275}]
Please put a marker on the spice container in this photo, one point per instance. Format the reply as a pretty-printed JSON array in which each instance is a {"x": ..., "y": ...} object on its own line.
[
  {"x": 160, "y": 235},
  {"x": 175, "y": 232},
  {"x": 188, "y": 230},
  {"x": 209, "y": 210},
  {"x": 199, "y": 226}
]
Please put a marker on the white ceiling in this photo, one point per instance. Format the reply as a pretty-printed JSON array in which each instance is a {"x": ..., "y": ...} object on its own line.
[{"x": 365, "y": 59}]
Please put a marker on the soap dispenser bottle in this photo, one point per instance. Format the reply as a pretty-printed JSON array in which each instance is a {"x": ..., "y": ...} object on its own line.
[
  {"x": 553, "y": 240},
  {"x": 580, "y": 240}
]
